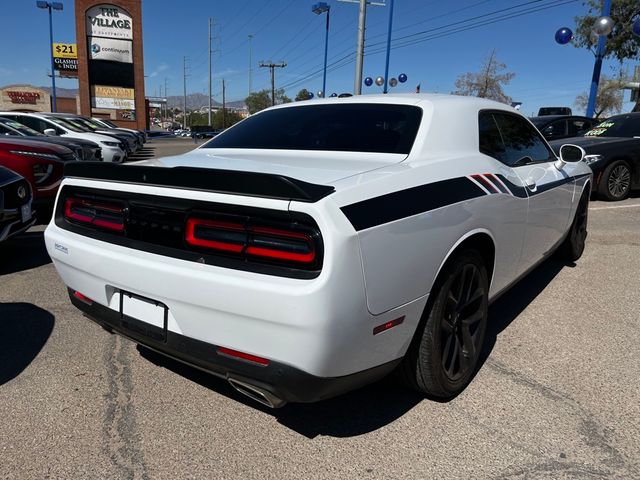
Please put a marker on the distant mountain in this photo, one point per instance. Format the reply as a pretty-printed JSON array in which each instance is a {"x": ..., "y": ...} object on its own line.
[{"x": 195, "y": 101}]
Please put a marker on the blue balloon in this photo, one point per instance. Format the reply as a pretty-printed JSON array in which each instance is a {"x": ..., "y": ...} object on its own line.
[
  {"x": 402, "y": 78},
  {"x": 334, "y": 94},
  {"x": 636, "y": 27},
  {"x": 310, "y": 95},
  {"x": 368, "y": 81},
  {"x": 564, "y": 35}
]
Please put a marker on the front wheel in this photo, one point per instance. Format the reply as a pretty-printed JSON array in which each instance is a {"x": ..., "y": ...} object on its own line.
[
  {"x": 444, "y": 354},
  {"x": 616, "y": 181},
  {"x": 573, "y": 246}
]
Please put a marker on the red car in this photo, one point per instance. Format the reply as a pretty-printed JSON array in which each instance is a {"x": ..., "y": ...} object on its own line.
[{"x": 40, "y": 163}]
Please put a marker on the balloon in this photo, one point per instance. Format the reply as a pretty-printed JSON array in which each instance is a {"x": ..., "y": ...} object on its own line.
[
  {"x": 310, "y": 95},
  {"x": 564, "y": 35},
  {"x": 333, "y": 95},
  {"x": 603, "y": 26},
  {"x": 402, "y": 78},
  {"x": 393, "y": 82},
  {"x": 379, "y": 81},
  {"x": 320, "y": 95},
  {"x": 368, "y": 81},
  {"x": 636, "y": 27}
]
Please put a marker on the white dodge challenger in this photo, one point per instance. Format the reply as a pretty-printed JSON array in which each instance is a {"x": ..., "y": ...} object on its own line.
[{"x": 315, "y": 247}]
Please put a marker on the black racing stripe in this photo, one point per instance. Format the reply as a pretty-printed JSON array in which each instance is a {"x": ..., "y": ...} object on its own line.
[
  {"x": 412, "y": 201},
  {"x": 517, "y": 190},
  {"x": 494, "y": 181}
]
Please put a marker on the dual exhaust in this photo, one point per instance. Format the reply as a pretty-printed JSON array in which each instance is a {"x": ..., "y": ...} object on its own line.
[{"x": 256, "y": 393}]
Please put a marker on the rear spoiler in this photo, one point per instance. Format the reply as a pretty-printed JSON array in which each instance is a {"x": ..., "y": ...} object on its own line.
[{"x": 253, "y": 184}]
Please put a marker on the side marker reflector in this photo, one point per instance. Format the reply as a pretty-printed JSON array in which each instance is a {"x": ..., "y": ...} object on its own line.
[
  {"x": 388, "y": 325},
  {"x": 83, "y": 298},
  {"x": 243, "y": 356}
]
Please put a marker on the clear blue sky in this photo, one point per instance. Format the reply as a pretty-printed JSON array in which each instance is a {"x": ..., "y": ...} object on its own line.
[{"x": 287, "y": 30}]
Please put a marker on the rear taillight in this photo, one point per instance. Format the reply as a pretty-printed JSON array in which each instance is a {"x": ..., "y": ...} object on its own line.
[
  {"x": 276, "y": 244},
  {"x": 89, "y": 212}
]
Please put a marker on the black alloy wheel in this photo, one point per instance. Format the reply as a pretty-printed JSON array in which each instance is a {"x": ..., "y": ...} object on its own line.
[
  {"x": 444, "y": 354},
  {"x": 573, "y": 246},
  {"x": 616, "y": 181}
]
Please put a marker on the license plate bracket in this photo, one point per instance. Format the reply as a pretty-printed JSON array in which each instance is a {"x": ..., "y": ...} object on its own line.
[{"x": 144, "y": 315}]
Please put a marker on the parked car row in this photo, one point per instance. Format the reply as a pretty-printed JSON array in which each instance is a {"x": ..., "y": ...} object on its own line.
[{"x": 34, "y": 147}]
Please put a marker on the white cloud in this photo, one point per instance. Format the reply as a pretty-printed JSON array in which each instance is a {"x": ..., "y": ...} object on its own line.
[{"x": 159, "y": 69}]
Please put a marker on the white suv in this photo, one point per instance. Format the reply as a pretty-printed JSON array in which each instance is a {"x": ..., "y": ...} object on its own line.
[{"x": 112, "y": 149}]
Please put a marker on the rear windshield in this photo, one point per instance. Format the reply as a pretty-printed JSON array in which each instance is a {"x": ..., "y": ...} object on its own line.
[{"x": 350, "y": 128}]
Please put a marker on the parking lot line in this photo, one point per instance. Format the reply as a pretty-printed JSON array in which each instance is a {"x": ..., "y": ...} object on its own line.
[{"x": 615, "y": 206}]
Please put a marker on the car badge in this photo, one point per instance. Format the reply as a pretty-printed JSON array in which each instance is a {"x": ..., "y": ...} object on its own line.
[{"x": 22, "y": 192}]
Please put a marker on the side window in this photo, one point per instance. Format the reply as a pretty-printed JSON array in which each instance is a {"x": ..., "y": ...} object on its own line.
[
  {"x": 579, "y": 126},
  {"x": 31, "y": 122},
  {"x": 5, "y": 131},
  {"x": 522, "y": 142},
  {"x": 490, "y": 139},
  {"x": 556, "y": 129}
]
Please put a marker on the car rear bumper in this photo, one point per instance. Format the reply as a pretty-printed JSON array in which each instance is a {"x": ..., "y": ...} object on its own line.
[{"x": 274, "y": 384}]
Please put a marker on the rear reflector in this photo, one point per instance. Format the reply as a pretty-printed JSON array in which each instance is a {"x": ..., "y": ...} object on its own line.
[
  {"x": 88, "y": 212},
  {"x": 243, "y": 356},
  {"x": 270, "y": 243},
  {"x": 388, "y": 325},
  {"x": 83, "y": 298}
]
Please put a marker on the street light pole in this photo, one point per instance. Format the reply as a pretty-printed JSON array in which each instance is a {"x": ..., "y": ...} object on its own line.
[
  {"x": 49, "y": 6},
  {"x": 386, "y": 64},
  {"x": 360, "y": 47},
  {"x": 597, "y": 67},
  {"x": 318, "y": 9}
]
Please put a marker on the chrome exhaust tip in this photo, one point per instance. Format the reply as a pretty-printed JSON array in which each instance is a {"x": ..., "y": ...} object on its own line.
[{"x": 256, "y": 393}]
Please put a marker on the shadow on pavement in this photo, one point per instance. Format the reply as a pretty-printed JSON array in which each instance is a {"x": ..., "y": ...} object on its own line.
[
  {"x": 24, "y": 330},
  {"x": 23, "y": 252},
  {"x": 379, "y": 404}
]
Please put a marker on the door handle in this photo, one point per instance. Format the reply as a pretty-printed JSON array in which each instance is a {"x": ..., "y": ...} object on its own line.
[{"x": 530, "y": 183}]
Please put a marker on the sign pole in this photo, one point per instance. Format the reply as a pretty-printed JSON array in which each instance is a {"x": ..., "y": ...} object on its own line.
[{"x": 53, "y": 72}]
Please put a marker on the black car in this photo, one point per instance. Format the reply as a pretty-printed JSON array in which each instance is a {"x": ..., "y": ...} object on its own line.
[
  {"x": 555, "y": 127},
  {"x": 613, "y": 152},
  {"x": 15, "y": 204},
  {"x": 84, "y": 149}
]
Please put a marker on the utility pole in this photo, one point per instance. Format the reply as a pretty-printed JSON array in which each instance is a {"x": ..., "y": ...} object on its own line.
[
  {"x": 250, "y": 64},
  {"x": 224, "y": 106},
  {"x": 209, "y": 73},
  {"x": 362, "y": 16},
  {"x": 272, "y": 66},
  {"x": 184, "y": 73},
  {"x": 166, "y": 100}
]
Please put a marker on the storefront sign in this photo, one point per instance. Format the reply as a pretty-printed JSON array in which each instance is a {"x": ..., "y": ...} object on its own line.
[
  {"x": 66, "y": 66},
  {"x": 30, "y": 98},
  {"x": 109, "y": 21},
  {"x": 110, "y": 49},
  {"x": 112, "y": 92},
  {"x": 65, "y": 50},
  {"x": 113, "y": 103}
]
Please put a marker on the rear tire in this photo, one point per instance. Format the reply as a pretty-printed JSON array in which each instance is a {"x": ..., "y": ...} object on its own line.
[
  {"x": 444, "y": 353},
  {"x": 616, "y": 181},
  {"x": 573, "y": 246}
]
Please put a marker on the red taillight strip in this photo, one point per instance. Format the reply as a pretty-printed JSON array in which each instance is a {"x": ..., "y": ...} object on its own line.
[
  {"x": 253, "y": 250},
  {"x": 243, "y": 356},
  {"x": 281, "y": 254},
  {"x": 191, "y": 238},
  {"x": 386, "y": 326},
  {"x": 75, "y": 202}
]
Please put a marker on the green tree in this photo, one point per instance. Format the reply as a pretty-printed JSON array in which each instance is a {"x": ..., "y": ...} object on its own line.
[
  {"x": 302, "y": 95},
  {"x": 622, "y": 44},
  {"x": 257, "y": 101},
  {"x": 489, "y": 82},
  {"x": 260, "y": 100},
  {"x": 608, "y": 100}
]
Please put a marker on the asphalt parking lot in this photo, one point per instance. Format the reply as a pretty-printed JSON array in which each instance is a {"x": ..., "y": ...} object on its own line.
[{"x": 556, "y": 397}]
